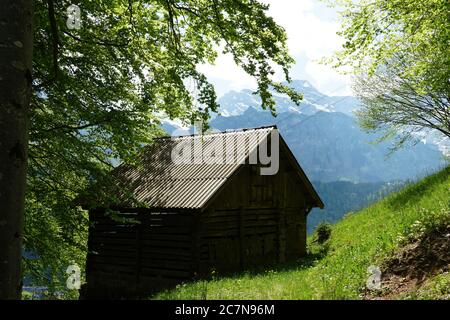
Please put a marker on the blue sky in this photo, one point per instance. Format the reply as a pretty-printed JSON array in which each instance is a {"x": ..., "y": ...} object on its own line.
[{"x": 311, "y": 27}]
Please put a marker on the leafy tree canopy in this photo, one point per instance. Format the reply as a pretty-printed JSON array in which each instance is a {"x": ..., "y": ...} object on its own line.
[
  {"x": 398, "y": 50},
  {"x": 375, "y": 31},
  {"x": 394, "y": 105}
]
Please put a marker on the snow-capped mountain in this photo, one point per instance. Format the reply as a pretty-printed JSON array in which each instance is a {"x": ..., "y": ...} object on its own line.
[{"x": 235, "y": 103}]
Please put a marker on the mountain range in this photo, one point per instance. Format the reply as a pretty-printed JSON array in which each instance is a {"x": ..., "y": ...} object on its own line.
[
  {"x": 235, "y": 103},
  {"x": 330, "y": 146},
  {"x": 340, "y": 158}
]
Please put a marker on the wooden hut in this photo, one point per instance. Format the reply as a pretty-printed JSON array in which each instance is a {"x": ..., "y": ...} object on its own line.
[{"x": 196, "y": 217}]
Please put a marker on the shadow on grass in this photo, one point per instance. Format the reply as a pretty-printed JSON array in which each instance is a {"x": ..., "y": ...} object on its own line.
[{"x": 300, "y": 264}]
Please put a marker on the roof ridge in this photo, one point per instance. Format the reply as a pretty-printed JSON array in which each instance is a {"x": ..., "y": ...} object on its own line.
[{"x": 274, "y": 126}]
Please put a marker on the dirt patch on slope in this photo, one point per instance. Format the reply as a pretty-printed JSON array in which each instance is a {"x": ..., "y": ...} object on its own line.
[{"x": 414, "y": 263}]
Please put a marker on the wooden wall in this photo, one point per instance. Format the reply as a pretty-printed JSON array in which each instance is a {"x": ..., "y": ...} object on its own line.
[
  {"x": 255, "y": 221},
  {"x": 130, "y": 259}
]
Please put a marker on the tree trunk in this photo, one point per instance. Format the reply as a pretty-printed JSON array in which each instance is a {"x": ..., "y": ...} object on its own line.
[{"x": 16, "y": 44}]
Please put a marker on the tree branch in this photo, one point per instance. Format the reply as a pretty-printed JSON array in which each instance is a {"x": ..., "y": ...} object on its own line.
[{"x": 55, "y": 42}]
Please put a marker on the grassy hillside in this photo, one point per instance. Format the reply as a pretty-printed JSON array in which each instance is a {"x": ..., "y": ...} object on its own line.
[
  {"x": 338, "y": 269},
  {"x": 344, "y": 196}
]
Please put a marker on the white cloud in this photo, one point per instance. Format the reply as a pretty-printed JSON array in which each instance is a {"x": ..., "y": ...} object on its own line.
[
  {"x": 307, "y": 32},
  {"x": 327, "y": 80},
  {"x": 311, "y": 28},
  {"x": 226, "y": 75}
]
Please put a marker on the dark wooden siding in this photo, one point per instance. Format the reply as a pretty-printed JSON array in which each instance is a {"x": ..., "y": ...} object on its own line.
[
  {"x": 133, "y": 259},
  {"x": 255, "y": 221}
]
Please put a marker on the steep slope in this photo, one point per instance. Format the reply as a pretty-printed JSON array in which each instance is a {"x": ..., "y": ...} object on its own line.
[
  {"x": 338, "y": 269},
  {"x": 342, "y": 197}
]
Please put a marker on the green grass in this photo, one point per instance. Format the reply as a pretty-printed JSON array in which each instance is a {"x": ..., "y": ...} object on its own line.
[{"x": 358, "y": 241}]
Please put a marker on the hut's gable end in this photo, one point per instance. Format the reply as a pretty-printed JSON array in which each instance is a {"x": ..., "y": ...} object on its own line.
[
  {"x": 248, "y": 188},
  {"x": 254, "y": 220}
]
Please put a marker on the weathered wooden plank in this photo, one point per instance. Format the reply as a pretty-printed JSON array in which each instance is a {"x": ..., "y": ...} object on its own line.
[
  {"x": 258, "y": 224},
  {"x": 165, "y": 252},
  {"x": 126, "y": 234},
  {"x": 222, "y": 213},
  {"x": 221, "y": 234},
  {"x": 113, "y": 263},
  {"x": 113, "y": 227},
  {"x": 219, "y": 227},
  {"x": 113, "y": 240},
  {"x": 260, "y": 229},
  {"x": 166, "y": 265},
  {"x": 220, "y": 220},
  {"x": 166, "y": 273},
  {"x": 175, "y": 220},
  {"x": 113, "y": 252},
  {"x": 166, "y": 230},
  {"x": 170, "y": 237},
  {"x": 166, "y": 243}
]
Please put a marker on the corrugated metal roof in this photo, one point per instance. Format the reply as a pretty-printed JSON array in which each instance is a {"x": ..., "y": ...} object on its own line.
[{"x": 158, "y": 181}]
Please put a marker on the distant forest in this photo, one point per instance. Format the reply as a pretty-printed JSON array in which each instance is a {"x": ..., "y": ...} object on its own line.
[{"x": 342, "y": 197}]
